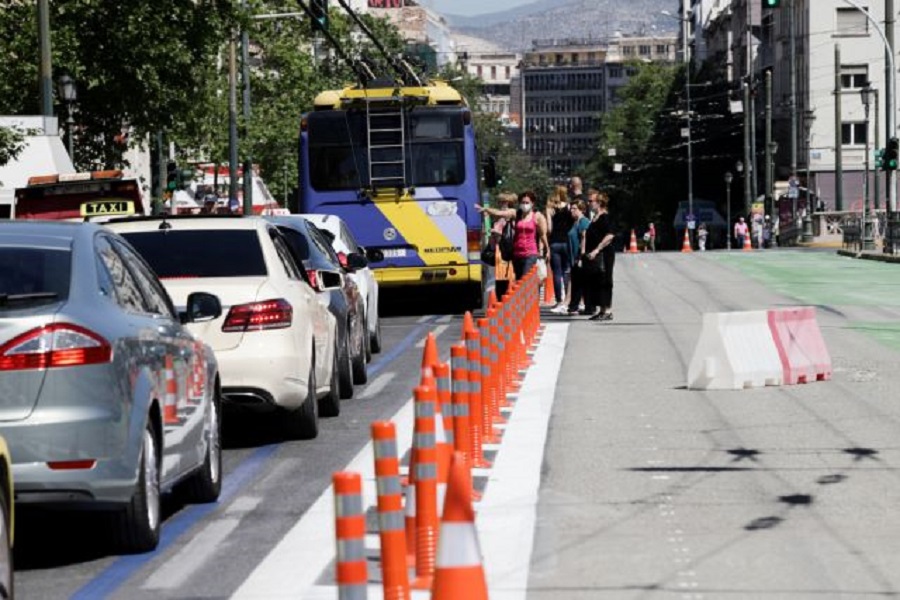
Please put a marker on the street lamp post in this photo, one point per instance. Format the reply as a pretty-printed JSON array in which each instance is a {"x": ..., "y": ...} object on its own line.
[
  {"x": 728, "y": 179},
  {"x": 69, "y": 94},
  {"x": 865, "y": 238}
]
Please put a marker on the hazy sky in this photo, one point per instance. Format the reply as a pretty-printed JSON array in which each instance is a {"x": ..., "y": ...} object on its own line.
[{"x": 474, "y": 7}]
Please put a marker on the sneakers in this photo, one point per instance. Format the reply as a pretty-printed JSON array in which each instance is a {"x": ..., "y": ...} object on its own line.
[{"x": 560, "y": 309}]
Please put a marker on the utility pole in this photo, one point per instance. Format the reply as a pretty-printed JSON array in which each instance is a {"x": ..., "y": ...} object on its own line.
[
  {"x": 769, "y": 195},
  {"x": 46, "y": 66},
  {"x": 838, "y": 138},
  {"x": 890, "y": 98},
  {"x": 232, "y": 120},
  {"x": 753, "y": 166},
  {"x": 877, "y": 190},
  {"x": 748, "y": 193},
  {"x": 245, "y": 77},
  {"x": 792, "y": 32}
]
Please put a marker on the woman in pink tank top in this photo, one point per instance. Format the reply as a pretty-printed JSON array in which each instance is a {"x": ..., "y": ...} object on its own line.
[{"x": 530, "y": 240}]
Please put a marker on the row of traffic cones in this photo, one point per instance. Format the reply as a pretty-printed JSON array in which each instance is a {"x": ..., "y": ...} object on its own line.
[{"x": 456, "y": 409}]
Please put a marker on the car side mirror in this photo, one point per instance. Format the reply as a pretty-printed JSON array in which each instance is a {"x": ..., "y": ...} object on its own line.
[
  {"x": 374, "y": 255},
  {"x": 357, "y": 261},
  {"x": 329, "y": 280},
  {"x": 201, "y": 307}
]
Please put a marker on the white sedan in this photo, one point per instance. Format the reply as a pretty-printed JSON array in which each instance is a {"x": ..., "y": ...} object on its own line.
[
  {"x": 345, "y": 244},
  {"x": 276, "y": 340}
]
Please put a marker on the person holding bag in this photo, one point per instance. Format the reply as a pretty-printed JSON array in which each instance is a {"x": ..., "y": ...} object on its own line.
[
  {"x": 598, "y": 260},
  {"x": 493, "y": 254},
  {"x": 530, "y": 238},
  {"x": 576, "y": 250}
]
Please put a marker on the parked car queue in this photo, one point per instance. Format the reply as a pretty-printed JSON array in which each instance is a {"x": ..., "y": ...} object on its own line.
[{"x": 119, "y": 344}]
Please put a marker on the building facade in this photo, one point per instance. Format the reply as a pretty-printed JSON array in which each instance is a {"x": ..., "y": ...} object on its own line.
[
  {"x": 426, "y": 32},
  {"x": 565, "y": 87}
]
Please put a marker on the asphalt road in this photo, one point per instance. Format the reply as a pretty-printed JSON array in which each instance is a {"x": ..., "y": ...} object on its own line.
[
  {"x": 654, "y": 491},
  {"x": 645, "y": 489},
  {"x": 208, "y": 551}
]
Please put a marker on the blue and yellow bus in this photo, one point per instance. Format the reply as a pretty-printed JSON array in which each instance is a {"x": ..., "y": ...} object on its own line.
[{"x": 399, "y": 165}]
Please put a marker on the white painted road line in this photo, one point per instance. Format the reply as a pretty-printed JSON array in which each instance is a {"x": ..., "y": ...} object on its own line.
[
  {"x": 293, "y": 567},
  {"x": 437, "y": 333},
  {"x": 507, "y": 512},
  {"x": 190, "y": 559},
  {"x": 377, "y": 385}
]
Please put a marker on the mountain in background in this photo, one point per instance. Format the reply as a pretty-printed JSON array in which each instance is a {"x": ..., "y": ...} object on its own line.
[{"x": 515, "y": 29}]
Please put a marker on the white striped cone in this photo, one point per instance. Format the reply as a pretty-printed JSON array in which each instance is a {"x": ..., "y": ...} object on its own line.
[{"x": 458, "y": 569}]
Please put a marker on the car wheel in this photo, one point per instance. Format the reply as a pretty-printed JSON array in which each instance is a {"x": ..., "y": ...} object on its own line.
[
  {"x": 7, "y": 583},
  {"x": 206, "y": 484},
  {"x": 375, "y": 337},
  {"x": 302, "y": 423},
  {"x": 138, "y": 529},
  {"x": 331, "y": 404},
  {"x": 345, "y": 372},
  {"x": 360, "y": 376}
]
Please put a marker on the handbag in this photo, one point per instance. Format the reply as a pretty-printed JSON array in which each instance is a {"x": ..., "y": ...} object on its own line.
[
  {"x": 505, "y": 243},
  {"x": 489, "y": 254},
  {"x": 593, "y": 266}
]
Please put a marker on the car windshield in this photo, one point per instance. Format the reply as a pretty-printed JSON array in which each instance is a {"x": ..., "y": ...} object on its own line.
[
  {"x": 31, "y": 276},
  {"x": 200, "y": 253}
]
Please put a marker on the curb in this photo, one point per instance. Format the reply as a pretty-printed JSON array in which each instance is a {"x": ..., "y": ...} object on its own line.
[{"x": 886, "y": 258}]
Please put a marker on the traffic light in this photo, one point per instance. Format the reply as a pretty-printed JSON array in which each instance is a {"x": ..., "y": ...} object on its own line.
[
  {"x": 771, "y": 3},
  {"x": 892, "y": 155},
  {"x": 319, "y": 9},
  {"x": 491, "y": 179},
  {"x": 171, "y": 175},
  {"x": 879, "y": 159}
]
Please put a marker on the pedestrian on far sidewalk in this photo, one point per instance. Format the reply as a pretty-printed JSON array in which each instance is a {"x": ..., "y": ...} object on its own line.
[
  {"x": 702, "y": 235},
  {"x": 559, "y": 220},
  {"x": 576, "y": 250},
  {"x": 530, "y": 240},
  {"x": 740, "y": 232},
  {"x": 599, "y": 260}
]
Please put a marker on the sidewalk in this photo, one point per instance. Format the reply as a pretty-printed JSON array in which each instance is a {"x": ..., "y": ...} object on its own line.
[{"x": 870, "y": 255}]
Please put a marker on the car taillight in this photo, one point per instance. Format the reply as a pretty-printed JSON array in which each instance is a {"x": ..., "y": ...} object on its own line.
[
  {"x": 256, "y": 316},
  {"x": 342, "y": 258},
  {"x": 53, "y": 346},
  {"x": 71, "y": 465}
]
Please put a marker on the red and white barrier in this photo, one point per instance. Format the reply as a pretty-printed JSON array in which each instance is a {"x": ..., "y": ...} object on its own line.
[
  {"x": 801, "y": 348},
  {"x": 738, "y": 350}
]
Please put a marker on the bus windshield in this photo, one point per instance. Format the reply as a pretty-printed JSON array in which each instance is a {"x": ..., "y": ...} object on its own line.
[{"x": 338, "y": 143}]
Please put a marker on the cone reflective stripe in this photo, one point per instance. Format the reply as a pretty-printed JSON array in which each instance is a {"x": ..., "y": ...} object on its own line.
[
  {"x": 443, "y": 427},
  {"x": 391, "y": 530},
  {"x": 170, "y": 400},
  {"x": 488, "y": 398},
  {"x": 350, "y": 529},
  {"x": 459, "y": 571},
  {"x": 462, "y": 436},
  {"x": 426, "y": 486},
  {"x": 473, "y": 352}
]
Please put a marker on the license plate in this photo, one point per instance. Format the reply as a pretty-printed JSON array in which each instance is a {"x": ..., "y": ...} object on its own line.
[{"x": 394, "y": 253}]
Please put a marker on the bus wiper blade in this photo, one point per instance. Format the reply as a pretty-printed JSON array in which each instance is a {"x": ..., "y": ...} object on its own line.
[{"x": 6, "y": 299}]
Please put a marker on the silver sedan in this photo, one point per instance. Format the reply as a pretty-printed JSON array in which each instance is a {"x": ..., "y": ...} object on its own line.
[{"x": 106, "y": 400}]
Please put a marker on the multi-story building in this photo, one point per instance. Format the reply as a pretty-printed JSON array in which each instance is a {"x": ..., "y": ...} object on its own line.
[
  {"x": 426, "y": 31},
  {"x": 566, "y": 85},
  {"x": 494, "y": 66},
  {"x": 821, "y": 29}
]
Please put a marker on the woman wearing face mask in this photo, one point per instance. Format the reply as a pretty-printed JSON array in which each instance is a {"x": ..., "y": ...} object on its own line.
[{"x": 530, "y": 239}]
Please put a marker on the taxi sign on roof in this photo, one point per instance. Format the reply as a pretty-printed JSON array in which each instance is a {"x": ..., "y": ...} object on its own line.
[{"x": 107, "y": 208}]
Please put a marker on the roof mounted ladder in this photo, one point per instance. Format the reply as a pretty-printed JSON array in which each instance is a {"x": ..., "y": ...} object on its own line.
[{"x": 385, "y": 120}]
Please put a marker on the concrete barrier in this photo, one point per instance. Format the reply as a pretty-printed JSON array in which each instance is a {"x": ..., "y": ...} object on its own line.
[
  {"x": 801, "y": 349},
  {"x": 736, "y": 350}
]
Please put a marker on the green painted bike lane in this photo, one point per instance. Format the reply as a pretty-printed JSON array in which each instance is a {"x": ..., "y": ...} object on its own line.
[{"x": 826, "y": 279}]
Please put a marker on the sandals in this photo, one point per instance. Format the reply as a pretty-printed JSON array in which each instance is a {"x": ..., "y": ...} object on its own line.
[{"x": 601, "y": 316}]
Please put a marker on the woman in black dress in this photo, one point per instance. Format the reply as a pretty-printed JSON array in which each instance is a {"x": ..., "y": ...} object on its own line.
[{"x": 599, "y": 251}]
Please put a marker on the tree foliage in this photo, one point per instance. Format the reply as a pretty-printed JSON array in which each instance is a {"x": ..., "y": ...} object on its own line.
[{"x": 11, "y": 144}]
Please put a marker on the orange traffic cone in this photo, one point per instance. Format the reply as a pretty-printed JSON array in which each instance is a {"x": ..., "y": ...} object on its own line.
[
  {"x": 458, "y": 569},
  {"x": 632, "y": 247},
  {"x": 430, "y": 354},
  {"x": 395, "y": 578},
  {"x": 748, "y": 247},
  {"x": 468, "y": 324},
  {"x": 549, "y": 291},
  {"x": 686, "y": 244}
]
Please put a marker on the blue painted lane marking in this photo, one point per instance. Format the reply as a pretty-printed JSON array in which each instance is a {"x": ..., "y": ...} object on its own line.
[
  {"x": 108, "y": 580},
  {"x": 114, "y": 576}
]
